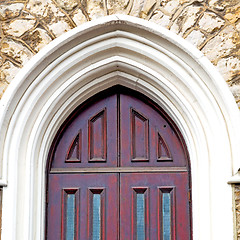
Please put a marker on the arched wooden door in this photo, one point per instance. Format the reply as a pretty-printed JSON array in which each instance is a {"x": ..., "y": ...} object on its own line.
[{"x": 118, "y": 169}]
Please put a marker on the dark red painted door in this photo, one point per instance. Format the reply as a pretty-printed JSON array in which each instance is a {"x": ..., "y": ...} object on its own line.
[
  {"x": 157, "y": 206},
  {"x": 118, "y": 170},
  {"x": 79, "y": 206}
]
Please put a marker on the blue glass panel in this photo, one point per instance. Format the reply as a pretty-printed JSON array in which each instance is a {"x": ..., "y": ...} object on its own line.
[
  {"x": 166, "y": 210},
  {"x": 140, "y": 217},
  {"x": 70, "y": 217},
  {"x": 96, "y": 235}
]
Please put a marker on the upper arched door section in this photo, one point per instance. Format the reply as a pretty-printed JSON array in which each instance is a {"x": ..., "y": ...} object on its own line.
[{"x": 124, "y": 129}]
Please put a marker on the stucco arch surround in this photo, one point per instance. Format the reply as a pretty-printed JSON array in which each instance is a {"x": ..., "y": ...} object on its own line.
[{"x": 137, "y": 54}]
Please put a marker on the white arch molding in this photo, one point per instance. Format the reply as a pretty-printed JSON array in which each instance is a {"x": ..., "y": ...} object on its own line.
[{"x": 97, "y": 55}]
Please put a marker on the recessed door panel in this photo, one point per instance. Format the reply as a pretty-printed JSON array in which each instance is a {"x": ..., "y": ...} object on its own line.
[
  {"x": 83, "y": 207},
  {"x": 147, "y": 138},
  {"x": 97, "y": 137},
  {"x": 89, "y": 137},
  {"x": 154, "y": 206},
  {"x": 139, "y": 137}
]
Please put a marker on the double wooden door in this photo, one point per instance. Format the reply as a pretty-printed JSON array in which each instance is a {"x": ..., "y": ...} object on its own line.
[{"x": 118, "y": 170}]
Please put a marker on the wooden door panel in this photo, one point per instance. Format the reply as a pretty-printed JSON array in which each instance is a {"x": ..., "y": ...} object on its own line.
[
  {"x": 147, "y": 138},
  {"x": 139, "y": 136},
  {"x": 83, "y": 206},
  {"x": 90, "y": 137},
  {"x": 166, "y": 209},
  {"x": 97, "y": 137}
]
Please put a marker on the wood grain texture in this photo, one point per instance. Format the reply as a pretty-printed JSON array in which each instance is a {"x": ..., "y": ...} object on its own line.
[
  {"x": 97, "y": 137},
  {"x": 131, "y": 154}
]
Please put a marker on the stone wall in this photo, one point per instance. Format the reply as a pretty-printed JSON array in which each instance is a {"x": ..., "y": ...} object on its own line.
[
  {"x": 237, "y": 209},
  {"x": 213, "y": 26}
]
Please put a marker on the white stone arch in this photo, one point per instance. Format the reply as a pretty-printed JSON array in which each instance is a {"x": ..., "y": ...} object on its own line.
[{"x": 97, "y": 55}]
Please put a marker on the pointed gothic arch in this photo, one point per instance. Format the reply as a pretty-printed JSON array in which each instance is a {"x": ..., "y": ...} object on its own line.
[{"x": 139, "y": 55}]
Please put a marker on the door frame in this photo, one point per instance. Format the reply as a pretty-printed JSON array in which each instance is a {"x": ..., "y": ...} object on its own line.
[{"x": 95, "y": 56}]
